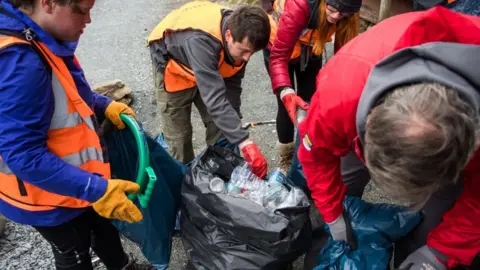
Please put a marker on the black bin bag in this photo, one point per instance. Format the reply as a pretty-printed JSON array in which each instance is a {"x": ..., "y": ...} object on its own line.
[{"x": 220, "y": 231}]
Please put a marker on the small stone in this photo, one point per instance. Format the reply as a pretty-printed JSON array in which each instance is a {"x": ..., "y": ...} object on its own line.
[
  {"x": 127, "y": 100},
  {"x": 119, "y": 93},
  {"x": 105, "y": 87}
]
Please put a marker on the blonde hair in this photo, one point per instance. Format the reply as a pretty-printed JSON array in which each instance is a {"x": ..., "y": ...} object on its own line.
[{"x": 345, "y": 30}]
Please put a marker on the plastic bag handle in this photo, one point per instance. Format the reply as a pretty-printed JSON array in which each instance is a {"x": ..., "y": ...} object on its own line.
[{"x": 144, "y": 169}]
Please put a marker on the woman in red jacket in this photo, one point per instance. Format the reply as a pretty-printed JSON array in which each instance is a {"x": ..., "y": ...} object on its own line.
[{"x": 300, "y": 30}]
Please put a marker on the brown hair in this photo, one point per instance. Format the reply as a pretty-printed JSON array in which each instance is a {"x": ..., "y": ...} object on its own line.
[
  {"x": 31, "y": 3},
  {"x": 419, "y": 140},
  {"x": 250, "y": 22},
  {"x": 346, "y": 29}
]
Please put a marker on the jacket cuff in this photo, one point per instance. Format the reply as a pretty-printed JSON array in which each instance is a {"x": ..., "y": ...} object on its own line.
[
  {"x": 95, "y": 189},
  {"x": 286, "y": 91},
  {"x": 101, "y": 103},
  {"x": 277, "y": 90}
]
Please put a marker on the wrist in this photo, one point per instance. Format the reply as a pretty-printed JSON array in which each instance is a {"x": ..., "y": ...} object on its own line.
[
  {"x": 245, "y": 143},
  {"x": 339, "y": 220},
  {"x": 438, "y": 255},
  {"x": 286, "y": 91},
  {"x": 96, "y": 188}
]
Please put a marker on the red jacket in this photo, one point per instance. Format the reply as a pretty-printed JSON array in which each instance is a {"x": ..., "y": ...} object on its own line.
[
  {"x": 331, "y": 126},
  {"x": 297, "y": 16}
]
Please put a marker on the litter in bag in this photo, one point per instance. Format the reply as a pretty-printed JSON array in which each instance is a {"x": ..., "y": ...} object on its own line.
[
  {"x": 154, "y": 233},
  {"x": 220, "y": 231},
  {"x": 375, "y": 227}
]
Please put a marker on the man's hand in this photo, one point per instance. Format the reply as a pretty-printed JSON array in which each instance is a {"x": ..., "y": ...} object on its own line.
[
  {"x": 113, "y": 111},
  {"x": 291, "y": 101},
  {"x": 341, "y": 230},
  {"x": 114, "y": 204},
  {"x": 421, "y": 259},
  {"x": 254, "y": 157}
]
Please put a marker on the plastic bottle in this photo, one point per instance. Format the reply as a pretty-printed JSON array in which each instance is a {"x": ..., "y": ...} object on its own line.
[
  {"x": 243, "y": 177},
  {"x": 217, "y": 185},
  {"x": 233, "y": 189},
  {"x": 276, "y": 193}
]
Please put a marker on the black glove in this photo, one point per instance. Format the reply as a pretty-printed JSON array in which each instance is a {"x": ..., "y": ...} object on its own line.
[
  {"x": 341, "y": 229},
  {"x": 423, "y": 258}
]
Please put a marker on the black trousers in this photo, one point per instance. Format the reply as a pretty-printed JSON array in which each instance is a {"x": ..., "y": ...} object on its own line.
[
  {"x": 305, "y": 88},
  {"x": 72, "y": 241}
]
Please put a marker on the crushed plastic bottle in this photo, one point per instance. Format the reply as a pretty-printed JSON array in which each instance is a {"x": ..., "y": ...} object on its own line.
[
  {"x": 272, "y": 193},
  {"x": 277, "y": 192},
  {"x": 243, "y": 177},
  {"x": 243, "y": 183},
  {"x": 217, "y": 185}
]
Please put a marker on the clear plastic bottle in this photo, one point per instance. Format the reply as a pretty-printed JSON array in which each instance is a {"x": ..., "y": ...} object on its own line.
[
  {"x": 217, "y": 185},
  {"x": 244, "y": 183},
  {"x": 243, "y": 177},
  {"x": 276, "y": 193}
]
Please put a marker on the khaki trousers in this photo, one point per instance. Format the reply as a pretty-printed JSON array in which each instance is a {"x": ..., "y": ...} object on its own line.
[{"x": 175, "y": 114}]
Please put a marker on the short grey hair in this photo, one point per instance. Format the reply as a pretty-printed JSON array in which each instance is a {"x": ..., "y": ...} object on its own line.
[{"x": 418, "y": 140}]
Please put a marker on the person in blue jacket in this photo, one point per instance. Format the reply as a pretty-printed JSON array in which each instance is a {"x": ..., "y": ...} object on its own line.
[{"x": 47, "y": 110}]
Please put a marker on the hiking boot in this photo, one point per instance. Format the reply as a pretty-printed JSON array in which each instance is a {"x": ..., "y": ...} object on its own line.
[
  {"x": 134, "y": 265},
  {"x": 286, "y": 152}
]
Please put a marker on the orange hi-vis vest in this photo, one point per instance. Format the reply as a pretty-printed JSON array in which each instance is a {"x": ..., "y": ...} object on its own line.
[
  {"x": 198, "y": 15},
  {"x": 72, "y": 136},
  {"x": 308, "y": 37}
]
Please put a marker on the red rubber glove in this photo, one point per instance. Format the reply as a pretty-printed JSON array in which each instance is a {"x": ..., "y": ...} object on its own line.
[
  {"x": 254, "y": 157},
  {"x": 291, "y": 101}
]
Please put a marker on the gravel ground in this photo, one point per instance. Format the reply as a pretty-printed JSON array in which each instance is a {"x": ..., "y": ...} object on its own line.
[{"x": 114, "y": 47}]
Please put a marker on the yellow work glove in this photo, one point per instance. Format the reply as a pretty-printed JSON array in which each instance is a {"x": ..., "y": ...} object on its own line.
[
  {"x": 115, "y": 205},
  {"x": 113, "y": 111}
]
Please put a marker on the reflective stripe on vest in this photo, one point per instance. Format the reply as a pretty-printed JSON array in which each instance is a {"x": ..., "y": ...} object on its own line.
[
  {"x": 77, "y": 159},
  {"x": 197, "y": 15},
  {"x": 72, "y": 136},
  {"x": 61, "y": 117}
]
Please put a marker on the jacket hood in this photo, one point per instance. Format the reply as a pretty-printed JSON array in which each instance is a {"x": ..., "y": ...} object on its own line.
[
  {"x": 447, "y": 63},
  {"x": 12, "y": 19}
]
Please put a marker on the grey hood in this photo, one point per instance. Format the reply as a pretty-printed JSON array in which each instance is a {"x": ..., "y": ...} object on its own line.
[{"x": 452, "y": 64}]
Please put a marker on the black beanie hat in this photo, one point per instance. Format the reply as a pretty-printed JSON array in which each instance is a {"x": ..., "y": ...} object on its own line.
[{"x": 347, "y": 6}]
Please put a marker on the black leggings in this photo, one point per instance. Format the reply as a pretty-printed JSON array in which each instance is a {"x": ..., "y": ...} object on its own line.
[
  {"x": 71, "y": 242},
  {"x": 306, "y": 86}
]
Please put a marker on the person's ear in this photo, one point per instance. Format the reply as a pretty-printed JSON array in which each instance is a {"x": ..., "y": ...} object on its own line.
[
  {"x": 47, "y": 5},
  {"x": 228, "y": 36}
]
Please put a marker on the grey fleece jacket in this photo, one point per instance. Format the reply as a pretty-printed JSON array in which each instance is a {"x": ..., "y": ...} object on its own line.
[
  {"x": 450, "y": 64},
  {"x": 201, "y": 52}
]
